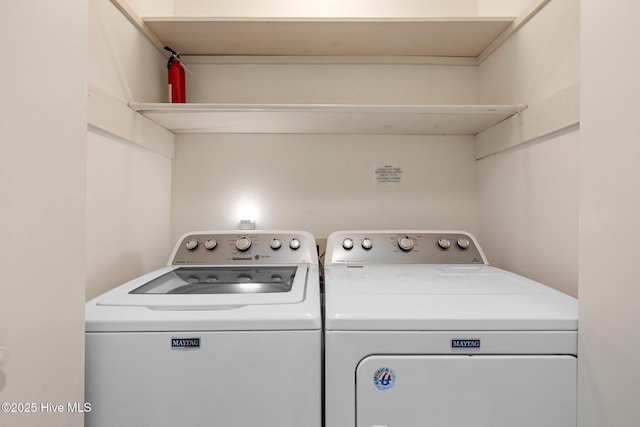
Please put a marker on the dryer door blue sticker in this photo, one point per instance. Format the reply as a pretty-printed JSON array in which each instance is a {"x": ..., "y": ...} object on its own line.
[{"x": 384, "y": 379}]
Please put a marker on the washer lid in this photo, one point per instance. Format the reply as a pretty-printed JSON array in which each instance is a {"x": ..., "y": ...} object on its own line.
[
  {"x": 163, "y": 301},
  {"x": 211, "y": 287},
  {"x": 221, "y": 280},
  {"x": 442, "y": 297}
]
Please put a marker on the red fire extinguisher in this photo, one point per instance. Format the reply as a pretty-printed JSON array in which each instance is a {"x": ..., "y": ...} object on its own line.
[{"x": 177, "y": 90}]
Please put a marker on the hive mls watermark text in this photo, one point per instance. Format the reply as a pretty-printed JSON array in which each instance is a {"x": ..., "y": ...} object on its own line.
[{"x": 45, "y": 407}]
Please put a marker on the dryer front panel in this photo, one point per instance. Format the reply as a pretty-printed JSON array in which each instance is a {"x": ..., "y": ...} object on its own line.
[{"x": 466, "y": 390}]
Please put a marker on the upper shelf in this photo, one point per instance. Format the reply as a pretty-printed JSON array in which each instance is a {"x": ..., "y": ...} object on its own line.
[
  {"x": 439, "y": 37},
  {"x": 459, "y": 38},
  {"x": 327, "y": 118}
]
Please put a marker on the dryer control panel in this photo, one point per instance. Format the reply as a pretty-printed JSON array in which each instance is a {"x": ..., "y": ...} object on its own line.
[
  {"x": 403, "y": 247},
  {"x": 244, "y": 247}
]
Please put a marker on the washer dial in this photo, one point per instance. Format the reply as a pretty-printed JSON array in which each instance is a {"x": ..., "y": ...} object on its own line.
[
  {"x": 191, "y": 244},
  {"x": 275, "y": 244},
  {"x": 294, "y": 244},
  {"x": 210, "y": 244},
  {"x": 243, "y": 243}
]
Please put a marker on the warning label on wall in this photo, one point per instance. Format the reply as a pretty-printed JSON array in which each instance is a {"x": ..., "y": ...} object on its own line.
[{"x": 387, "y": 173}]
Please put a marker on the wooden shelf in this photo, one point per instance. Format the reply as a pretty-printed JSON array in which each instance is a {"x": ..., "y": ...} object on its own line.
[
  {"x": 431, "y": 37},
  {"x": 456, "y": 38},
  {"x": 326, "y": 118}
]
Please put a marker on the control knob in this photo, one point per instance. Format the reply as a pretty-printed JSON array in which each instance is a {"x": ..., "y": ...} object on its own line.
[
  {"x": 463, "y": 243},
  {"x": 367, "y": 244},
  {"x": 191, "y": 244},
  {"x": 347, "y": 244},
  {"x": 210, "y": 244},
  {"x": 275, "y": 244},
  {"x": 243, "y": 243},
  {"x": 405, "y": 243},
  {"x": 444, "y": 243},
  {"x": 294, "y": 244}
]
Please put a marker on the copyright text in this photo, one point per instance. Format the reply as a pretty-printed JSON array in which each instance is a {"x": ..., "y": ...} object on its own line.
[{"x": 44, "y": 407}]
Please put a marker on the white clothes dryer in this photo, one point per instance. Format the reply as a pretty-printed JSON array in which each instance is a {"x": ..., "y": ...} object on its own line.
[
  {"x": 228, "y": 334},
  {"x": 421, "y": 331}
]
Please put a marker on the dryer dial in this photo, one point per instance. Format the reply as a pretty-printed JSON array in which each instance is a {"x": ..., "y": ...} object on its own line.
[
  {"x": 405, "y": 243},
  {"x": 444, "y": 243},
  {"x": 210, "y": 244},
  {"x": 463, "y": 243},
  {"x": 367, "y": 244}
]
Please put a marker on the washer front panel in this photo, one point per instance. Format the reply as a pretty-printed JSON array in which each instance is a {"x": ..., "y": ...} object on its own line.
[{"x": 243, "y": 248}]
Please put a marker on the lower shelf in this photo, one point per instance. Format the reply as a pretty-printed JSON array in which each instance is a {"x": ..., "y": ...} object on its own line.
[{"x": 327, "y": 118}]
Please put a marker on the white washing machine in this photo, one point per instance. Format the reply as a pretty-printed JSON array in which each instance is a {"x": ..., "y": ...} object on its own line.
[
  {"x": 228, "y": 334},
  {"x": 421, "y": 331}
]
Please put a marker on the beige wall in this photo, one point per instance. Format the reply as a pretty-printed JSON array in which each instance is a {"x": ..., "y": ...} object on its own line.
[
  {"x": 529, "y": 208},
  {"x": 128, "y": 185},
  {"x": 538, "y": 61},
  {"x": 528, "y": 195},
  {"x": 128, "y": 211},
  {"x": 609, "y": 202},
  {"x": 122, "y": 62},
  {"x": 332, "y": 83},
  {"x": 42, "y": 209},
  {"x": 322, "y": 183},
  {"x": 502, "y": 7},
  {"x": 43, "y": 189}
]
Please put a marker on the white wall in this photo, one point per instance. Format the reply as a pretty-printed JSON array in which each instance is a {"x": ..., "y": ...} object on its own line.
[
  {"x": 332, "y": 83},
  {"x": 128, "y": 186},
  {"x": 609, "y": 203},
  {"x": 122, "y": 62},
  {"x": 322, "y": 183},
  {"x": 537, "y": 61},
  {"x": 530, "y": 189},
  {"x": 529, "y": 210},
  {"x": 528, "y": 194},
  {"x": 511, "y": 8},
  {"x": 128, "y": 211},
  {"x": 42, "y": 209},
  {"x": 152, "y": 7}
]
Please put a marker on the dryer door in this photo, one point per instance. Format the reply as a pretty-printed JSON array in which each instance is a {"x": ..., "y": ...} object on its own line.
[{"x": 465, "y": 390}]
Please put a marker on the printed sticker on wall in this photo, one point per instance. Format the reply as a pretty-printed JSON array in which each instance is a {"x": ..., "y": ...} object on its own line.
[
  {"x": 387, "y": 174},
  {"x": 384, "y": 379}
]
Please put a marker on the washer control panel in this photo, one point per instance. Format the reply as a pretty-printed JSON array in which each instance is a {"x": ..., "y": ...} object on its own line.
[
  {"x": 403, "y": 247},
  {"x": 254, "y": 247}
]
